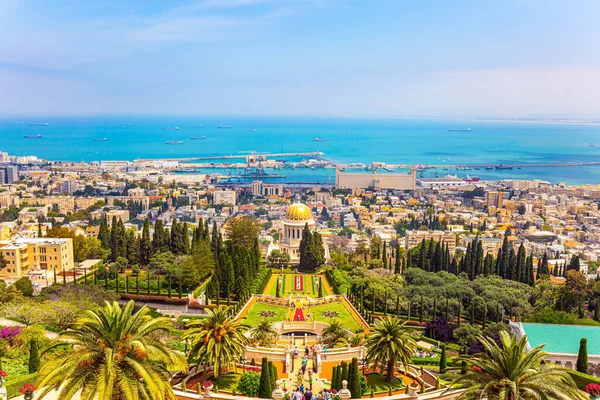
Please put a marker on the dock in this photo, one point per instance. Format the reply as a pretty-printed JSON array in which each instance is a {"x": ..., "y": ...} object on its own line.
[{"x": 314, "y": 154}]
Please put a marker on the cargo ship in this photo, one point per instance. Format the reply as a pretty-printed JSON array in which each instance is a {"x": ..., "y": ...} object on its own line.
[
  {"x": 44, "y": 124},
  {"x": 100, "y": 140},
  {"x": 197, "y": 137},
  {"x": 460, "y": 130},
  {"x": 38, "y": 136},
  {"x": 173, "y": 142},
  {"x": 320, "y": 139}
]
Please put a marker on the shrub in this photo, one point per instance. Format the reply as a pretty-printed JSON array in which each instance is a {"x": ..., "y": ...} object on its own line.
[
  {"x": 439, "y": 329},
  {"x": 155, "y": 299}
]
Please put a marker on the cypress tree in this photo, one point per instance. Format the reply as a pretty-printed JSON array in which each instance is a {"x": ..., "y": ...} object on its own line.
[
  {"x": 354, "y": 379},
  {"x": 421, "y": 307},
  {"x": 443, "y": 359},
  {"x": 145, "y": 244},
  {"x": 272, "y": 375},
  {"x": 335, "y": 379},
  {"x": 582, "y": 357},
  {"x": 472, "y": 318},
  {"x": 264, "y": 387},
  {"x": 344, "y": 371},
  {"x": 104, "y": 235},
  {"x": 543, "y": 270},
  {"x": 398, "y": 261},
  {"x": 320, "y": 288},
  {"x": 34, "y": 356}
]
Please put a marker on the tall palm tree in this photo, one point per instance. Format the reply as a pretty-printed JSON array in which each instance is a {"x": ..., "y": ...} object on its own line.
[
  {"x": 116, "y": 355},
  {"x": 509, "y": 372},
  {"x": 218, "y": 339},
  {"x": 264, "y": 333},
  {"x": 335, "y": 334},
  {"x": 388, "y": 343}
]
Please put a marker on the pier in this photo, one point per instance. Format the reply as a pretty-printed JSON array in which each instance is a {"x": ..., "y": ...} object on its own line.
[{"x": 314, "y": 154}]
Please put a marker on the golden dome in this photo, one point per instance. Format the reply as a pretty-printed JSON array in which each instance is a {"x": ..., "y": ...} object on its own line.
[{"x": 298, "y": 212}]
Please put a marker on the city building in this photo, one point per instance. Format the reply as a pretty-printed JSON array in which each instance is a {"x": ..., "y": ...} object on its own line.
[
  {"x": 489, "y": 245},
  {"x": 374, "y": 180},
  {"x": 24, "y": 255},
  {"x": 447, "y": 181},
  {"x": 122, "y": 215},
  {"x": 224, "y": 197},
  {"x": 494, "y": 202},
  {"x": 11, "y": 174},
  {"x": 413, "y": 238}
]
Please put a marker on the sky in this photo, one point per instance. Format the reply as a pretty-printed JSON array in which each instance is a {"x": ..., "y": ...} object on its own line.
[{"x": 353, "y": 58}]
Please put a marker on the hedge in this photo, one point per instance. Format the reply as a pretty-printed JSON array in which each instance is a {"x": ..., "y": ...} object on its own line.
[
  {"x": 13, "y": 385},
  {"x": 582, "y": 380},
  {"x": 155, "y": 299}
]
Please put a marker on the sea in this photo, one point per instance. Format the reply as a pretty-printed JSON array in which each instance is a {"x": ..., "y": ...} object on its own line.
[{"x": 345, "y": 140}]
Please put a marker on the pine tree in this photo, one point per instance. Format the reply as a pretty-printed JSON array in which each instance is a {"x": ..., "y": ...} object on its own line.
[
  {"x": 34, "y": 356},
  {"x": 264, "y": 387},
  {"x": 582, "y": 357}
]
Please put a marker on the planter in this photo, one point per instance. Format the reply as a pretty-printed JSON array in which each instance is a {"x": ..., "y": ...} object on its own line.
[
  {"x": 594, "y": 397},
  {"x": 29, "y": 396},
  {"x": 207, "y": 387}
]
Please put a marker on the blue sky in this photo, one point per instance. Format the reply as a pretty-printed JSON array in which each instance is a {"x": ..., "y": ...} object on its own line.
[{"x": 301, "y": 57}]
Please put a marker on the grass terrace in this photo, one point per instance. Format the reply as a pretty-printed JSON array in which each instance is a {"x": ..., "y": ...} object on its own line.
[
  {"x": 260, "y": 310},
  {"x": 320, "y": 314}
]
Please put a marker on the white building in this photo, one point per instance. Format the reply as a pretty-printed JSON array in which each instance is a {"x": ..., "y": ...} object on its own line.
[{"x": 224, "y": 197}]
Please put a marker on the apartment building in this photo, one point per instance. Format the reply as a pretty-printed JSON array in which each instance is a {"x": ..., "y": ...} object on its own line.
[
  {"x": 413, "y": 238},
  {"x": 24, "y": 255}
]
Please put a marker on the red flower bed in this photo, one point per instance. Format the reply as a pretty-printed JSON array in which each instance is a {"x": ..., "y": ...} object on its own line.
[
  {"x": 155, "y": 299},
  {"x": 593, "y": 389}
]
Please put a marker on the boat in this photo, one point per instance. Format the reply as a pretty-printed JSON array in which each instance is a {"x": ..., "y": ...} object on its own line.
[
  {"x": 173, "y": 142},
  {"x": 504, "y": 166},
  {"x": 225, "y": 127},
  {"x": 100, "y": 140},
  {"x": 250, "y": 130},
  {"x": 489, "y": 167},
  {"x": 471, "y": 179},
  {"x": 592, "y": 145},
  {"x": 175, "y": 128},
  {"x": 460, "y": 130},
  {"x": 38, "y": 136},
  {"x": 44, "y": 124},
  {"x": 320, "y": 139},
  {"x": 197, "y": 137},
  {"x": 388, "y": 169}
]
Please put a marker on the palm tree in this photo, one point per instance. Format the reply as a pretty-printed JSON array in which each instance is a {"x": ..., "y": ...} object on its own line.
[
  {"x": 388, "y": 343},
  {"x": 218, "y": 339},
  {"x": 335, "y": 334},
  {"x": 264, "y": 333},
  {"x": 116, "y": 355},
  {"x": 509, "y": 372}
]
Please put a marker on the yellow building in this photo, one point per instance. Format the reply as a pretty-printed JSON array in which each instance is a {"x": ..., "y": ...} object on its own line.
[
  {"x": 24, "y": 255},
  {"x": 413, "y": 238}
]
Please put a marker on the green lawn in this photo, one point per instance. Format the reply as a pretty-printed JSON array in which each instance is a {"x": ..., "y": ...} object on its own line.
[
  {"x": 342, "y": 314},
  {"x": 378, "y": 384},
  {"x": 254, "y": 316},
  {"x": 288, "y": 285}
]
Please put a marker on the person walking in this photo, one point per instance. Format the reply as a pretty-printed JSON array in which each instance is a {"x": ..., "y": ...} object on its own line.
[
  {"x": 297, "y": 395},
  {"x": 308, "y": 395}
]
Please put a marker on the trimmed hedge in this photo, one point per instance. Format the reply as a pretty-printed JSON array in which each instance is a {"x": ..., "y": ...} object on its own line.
[
  {"x": 582, "y": 380},
  {"x": 13, "y": 385},
  {"x": 155, "y": 299}
]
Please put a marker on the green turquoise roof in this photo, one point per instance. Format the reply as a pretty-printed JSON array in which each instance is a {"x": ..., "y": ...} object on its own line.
[{"x": 563, "y": 338}]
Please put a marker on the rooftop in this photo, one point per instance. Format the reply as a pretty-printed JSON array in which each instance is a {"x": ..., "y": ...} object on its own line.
[{"x": 562, "y": 338}]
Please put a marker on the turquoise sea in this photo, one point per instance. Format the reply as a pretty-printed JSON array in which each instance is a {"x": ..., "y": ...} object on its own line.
[{"x": 408, "y": 141}]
